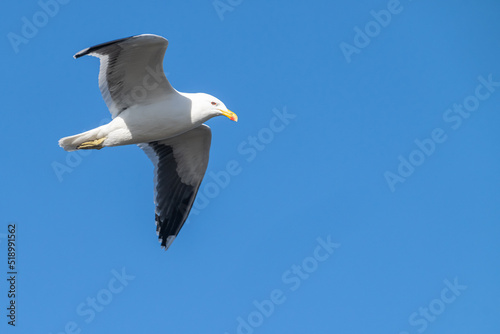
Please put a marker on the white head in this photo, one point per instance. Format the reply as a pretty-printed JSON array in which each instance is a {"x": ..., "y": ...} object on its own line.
[{"x": 206, "y": 106}]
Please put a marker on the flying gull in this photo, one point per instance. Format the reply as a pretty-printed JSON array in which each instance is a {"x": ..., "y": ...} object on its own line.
[{"x": 168, "y": 125}]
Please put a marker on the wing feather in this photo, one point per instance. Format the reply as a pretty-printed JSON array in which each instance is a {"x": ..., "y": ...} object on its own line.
[
  {"x": 131, "y": 71},
  {"x": 180, "y": 164}
]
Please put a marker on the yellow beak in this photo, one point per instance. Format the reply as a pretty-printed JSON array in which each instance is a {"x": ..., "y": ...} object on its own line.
[{"x": 229, "y": 114}]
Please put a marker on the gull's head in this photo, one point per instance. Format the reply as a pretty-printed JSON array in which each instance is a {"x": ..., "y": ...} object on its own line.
[{"x": 210, "y": 106}]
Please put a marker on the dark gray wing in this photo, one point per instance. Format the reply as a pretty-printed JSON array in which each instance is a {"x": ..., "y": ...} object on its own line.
[
  {"x": 131, "y": 71},
  {"x": 180, "y": 164}
]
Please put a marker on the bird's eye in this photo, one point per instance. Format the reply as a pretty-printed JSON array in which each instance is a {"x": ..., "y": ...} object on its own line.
[{"x": 214, "y": 103}]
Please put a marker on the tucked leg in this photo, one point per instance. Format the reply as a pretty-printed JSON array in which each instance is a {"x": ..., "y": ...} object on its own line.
[{"x": 92, "y": 144}]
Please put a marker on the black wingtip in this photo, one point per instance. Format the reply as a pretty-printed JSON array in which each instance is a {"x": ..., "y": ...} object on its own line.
[
  {"x": 81, "y": 53},
  {"x": 94, "y": 48}
]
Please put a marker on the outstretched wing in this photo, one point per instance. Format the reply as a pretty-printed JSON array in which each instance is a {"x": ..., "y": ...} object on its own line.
[
  {"x": 131, "y": 71},
  {"x": 180, "y": 164}
]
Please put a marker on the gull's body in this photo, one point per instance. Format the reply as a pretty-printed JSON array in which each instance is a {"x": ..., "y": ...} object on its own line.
[
  {"x": 166, "y": 124},
  {"x": 162, "y": 119}
]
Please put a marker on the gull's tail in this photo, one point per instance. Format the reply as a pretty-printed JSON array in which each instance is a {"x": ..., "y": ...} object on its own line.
[{"x": 71, "y": 143}]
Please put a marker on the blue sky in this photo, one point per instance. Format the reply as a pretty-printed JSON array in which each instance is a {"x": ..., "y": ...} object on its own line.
[{"x": 363, "y": 190}]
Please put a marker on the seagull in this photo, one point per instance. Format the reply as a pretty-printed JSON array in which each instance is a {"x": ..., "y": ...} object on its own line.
[{"x": 166, "y": 124}]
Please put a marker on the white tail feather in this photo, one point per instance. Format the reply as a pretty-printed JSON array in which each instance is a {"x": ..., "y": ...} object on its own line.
[{"x": 71, "y": 143}]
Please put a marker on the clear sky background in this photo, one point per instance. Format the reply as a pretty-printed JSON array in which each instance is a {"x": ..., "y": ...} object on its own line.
[{"x": 364, "y": 194}]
